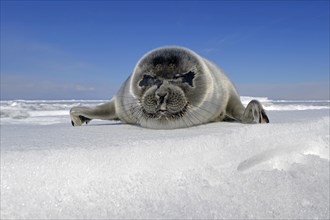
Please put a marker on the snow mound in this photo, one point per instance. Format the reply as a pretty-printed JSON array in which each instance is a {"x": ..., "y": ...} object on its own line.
[{"x": 220, "y": 170}]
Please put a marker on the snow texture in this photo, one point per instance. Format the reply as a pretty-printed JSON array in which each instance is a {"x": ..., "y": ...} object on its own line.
[{"x": 50, "y": 170}]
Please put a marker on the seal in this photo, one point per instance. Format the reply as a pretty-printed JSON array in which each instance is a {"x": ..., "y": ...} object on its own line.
[{"x": 173, "y": 87}]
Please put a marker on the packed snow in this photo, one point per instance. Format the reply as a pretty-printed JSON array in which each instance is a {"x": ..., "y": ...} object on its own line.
[{"x": 106, "y": 169}]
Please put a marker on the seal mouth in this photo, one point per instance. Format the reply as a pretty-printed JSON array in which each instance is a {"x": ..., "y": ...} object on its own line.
[{"x": 162, "y": 114}]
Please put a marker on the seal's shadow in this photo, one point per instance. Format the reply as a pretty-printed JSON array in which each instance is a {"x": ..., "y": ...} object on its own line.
[{"x": 119, "y": 123}]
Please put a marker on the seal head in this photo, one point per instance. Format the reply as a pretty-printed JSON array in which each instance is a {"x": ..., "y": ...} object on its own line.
[{"x": 167, "y": 83}]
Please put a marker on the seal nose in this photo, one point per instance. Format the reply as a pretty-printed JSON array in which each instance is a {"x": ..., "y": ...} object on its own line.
[{"x": 162, "y": 97}]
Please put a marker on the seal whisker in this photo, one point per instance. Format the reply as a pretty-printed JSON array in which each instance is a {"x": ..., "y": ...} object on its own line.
[
  {"x": 131, "y": 104},
  {"x": 211, "y": 113},
  {"x": 184, "y": 121},
  {"x": 212, "y": 103},
  {"x": 136, "y": 112},
  {"x": 194, "y": 114}
]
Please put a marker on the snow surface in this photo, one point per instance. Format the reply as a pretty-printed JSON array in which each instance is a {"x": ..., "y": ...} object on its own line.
[{"x": 50, "y": 170}]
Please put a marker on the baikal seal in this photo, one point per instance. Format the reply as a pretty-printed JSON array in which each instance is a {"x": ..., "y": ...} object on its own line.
[{"x": 173, "y": 87}]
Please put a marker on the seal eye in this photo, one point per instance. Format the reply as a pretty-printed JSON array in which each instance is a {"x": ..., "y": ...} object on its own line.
[
  {"x": 186, "y": 77},
  {"x": 146, "y": 81},
  {"x": 150, "y": 81}
]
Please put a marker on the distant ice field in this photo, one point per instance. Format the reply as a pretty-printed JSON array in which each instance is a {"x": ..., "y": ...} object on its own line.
[
  {"x": 56, "y": 111},
  {"x": 110, "y": 170}
]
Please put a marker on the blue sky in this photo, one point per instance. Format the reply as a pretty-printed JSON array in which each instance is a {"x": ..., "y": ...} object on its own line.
[{"x": 86, "y": 49}]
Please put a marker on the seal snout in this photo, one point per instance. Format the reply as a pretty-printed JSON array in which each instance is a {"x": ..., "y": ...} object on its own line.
[
  {"x": 162, "y": 97},
  {"x": 162, "y": 103}
]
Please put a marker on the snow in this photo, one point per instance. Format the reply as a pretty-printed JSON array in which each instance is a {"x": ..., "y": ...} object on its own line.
[{"x": 51, "y": 170}]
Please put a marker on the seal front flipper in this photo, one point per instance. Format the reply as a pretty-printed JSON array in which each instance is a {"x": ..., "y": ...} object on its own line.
[
  {"x": 78, "y": 117},
  {"x": 82, "y": 114},
  {"x": 82, "y": 120},
  {"x": 254, "y": 113}
]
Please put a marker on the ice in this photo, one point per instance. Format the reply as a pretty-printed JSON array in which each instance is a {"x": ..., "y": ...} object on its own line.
[
  {"x": 288, "y": 105},
  {"x": 106, "y": 170},
  {"x": 47, "y": 112},
  {"x": 43, "y": 112}
]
